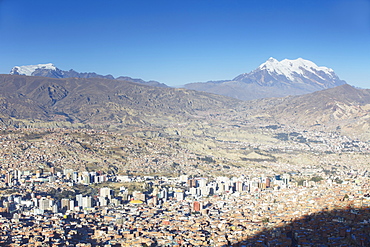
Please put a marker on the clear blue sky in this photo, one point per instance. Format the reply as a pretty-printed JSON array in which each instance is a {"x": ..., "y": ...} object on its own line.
[{"x": 182, "y": 41}]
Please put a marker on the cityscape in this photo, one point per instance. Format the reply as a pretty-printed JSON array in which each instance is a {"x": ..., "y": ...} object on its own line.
[
  {"x": 212, "y": 123},
  {"x": 45, "y": 205},
  {"x": 181, "y": 211}
]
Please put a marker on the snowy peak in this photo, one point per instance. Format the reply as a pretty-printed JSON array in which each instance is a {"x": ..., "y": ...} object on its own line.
[
  {"x": 49, "y": 70},
  {"x": 30, "y": 69},
  {"x": 293, "y": 68},
  {"x": 272, "y": 60},
  {"x": 298, "y": 73}
]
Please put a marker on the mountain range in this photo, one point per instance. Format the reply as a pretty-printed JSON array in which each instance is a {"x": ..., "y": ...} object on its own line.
[
  {"x": 49, "y": 70},
  {"x": 274, "y": 79},
  {"x": 26, "y": 100},
  {"x": 104, "y": 103},
  {"x": 318, "y": 99},
  {"x": 271, "y": 79}
]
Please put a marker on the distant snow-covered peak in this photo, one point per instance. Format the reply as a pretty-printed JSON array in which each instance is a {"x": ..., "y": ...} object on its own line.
[
  {"x": 29, "y": 69},
  {"x": 289, "y": 68}
]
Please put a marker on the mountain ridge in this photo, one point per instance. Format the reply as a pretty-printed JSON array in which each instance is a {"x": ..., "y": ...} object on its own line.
[
  {"x": 51, "y": 71},
  {"x": 100, "y": 101},
  {"x": 342, "y": 108},
  {"x": 26, "y": 100},
  {"x": 274, "y": 79}
]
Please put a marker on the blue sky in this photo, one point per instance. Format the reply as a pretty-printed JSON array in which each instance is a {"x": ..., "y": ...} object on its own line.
[{"x": 182, "y": 41}]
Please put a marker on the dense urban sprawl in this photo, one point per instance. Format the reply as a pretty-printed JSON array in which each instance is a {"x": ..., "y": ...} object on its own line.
[{"x": 54, "y": 194}]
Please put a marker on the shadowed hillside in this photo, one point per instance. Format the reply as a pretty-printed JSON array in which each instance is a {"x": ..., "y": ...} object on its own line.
[{"x": 340, "y": 227}]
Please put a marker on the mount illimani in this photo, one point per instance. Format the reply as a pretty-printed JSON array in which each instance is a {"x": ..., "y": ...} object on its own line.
[{"x": 274, "y": 79}]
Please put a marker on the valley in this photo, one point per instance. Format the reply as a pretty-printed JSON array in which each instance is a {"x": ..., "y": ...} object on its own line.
[
  {"x": 93, "y": 154},
  {"x": 185, "y": 123},
  {"x": 267, "y": 135}
]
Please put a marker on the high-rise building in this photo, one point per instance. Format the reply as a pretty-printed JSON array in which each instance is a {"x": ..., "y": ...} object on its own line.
[
  {"x": 8, "y": 178},
  {"x": 102, "y": 201},
  {"x": 192, "y": 183},
  {"x": 238, "y": 186},
  {"x": 204, "y": 191},
  {"x": 155, "y": 200},
  {"x": 163, "y": 194},
  {"x": 268, "y": 182},
  {"x": 221, "y": 187},
  {"x": 79, "y": 200},
  {"x": 201, "y": 182},
  {"x": 52, "y": 179},
  {"x": 75, "y": 177},
  {"x": 106, "y": 192},
  {"x": 67, "y": 173},
  {"x": 52, "y": 170},
  {"x": 65, "y": 204},
  {"x": 183, "y": 178},
  {"x": 38, "y": 173},
  {"x": 262, "y": 186},
  {"x": 87, "y": 202},
  {"x": 138, "y": 195},
  {"x": 179, "y": 195},
  {"x": 193, "y": 191},
  {"x": 45, "y": 204},
  {"x": 54, "y": 209},
  {"x": 115, "y": 201},
  {"x": 286, "y": 178},
  {"x": 196, "y": 206},
  {"x": 71, "y": 204}
]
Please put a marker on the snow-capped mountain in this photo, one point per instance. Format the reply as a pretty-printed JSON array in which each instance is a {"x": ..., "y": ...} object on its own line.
[
  {"x": 299, "y": 71},
  {"x": 31, "y": 69},
  {"x": 291, "y": 68},
  {"x": 49, "y": 70},
  {"x": 275, "y": 78}
]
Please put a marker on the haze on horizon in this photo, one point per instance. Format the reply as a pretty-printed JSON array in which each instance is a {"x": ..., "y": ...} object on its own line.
[{"x": 178, "y": 42}]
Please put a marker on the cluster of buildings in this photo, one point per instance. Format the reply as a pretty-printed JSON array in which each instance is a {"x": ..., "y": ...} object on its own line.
[
  {"x": 90, "y": 150},
  {"x": 86, "y": 188},
  {"x": 182, "y": 211}
]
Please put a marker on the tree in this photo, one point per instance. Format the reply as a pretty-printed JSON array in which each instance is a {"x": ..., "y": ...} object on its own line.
[
  {"x": 265, "y": 220},
  {"x": 316, "y": 179}
]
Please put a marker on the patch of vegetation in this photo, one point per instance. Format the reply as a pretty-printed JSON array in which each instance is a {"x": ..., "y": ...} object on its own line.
[
  {"x": 86, "y": 146},
  {"x": 35, "y": 136},
  {"x": 282, "y": 136},
  {"x": 295, "y": 134},
  {"x": 314, "y": 141},
  {"x": 338, "y": 181},
  {"x": 174, "y": 164},
  {"x": 92, "y": 166},
  {"x": 300, "y": 181},
  {"x": 274, "y": 127},
  {"x": 316, "y": 179},
  {"x": 207, "y": 159},
  {"x": 264, "y": 157},
  {"x": 301, "y": 139},
  {"x": 265, "y": 220},
  {"x": 85, "y": 190}
]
